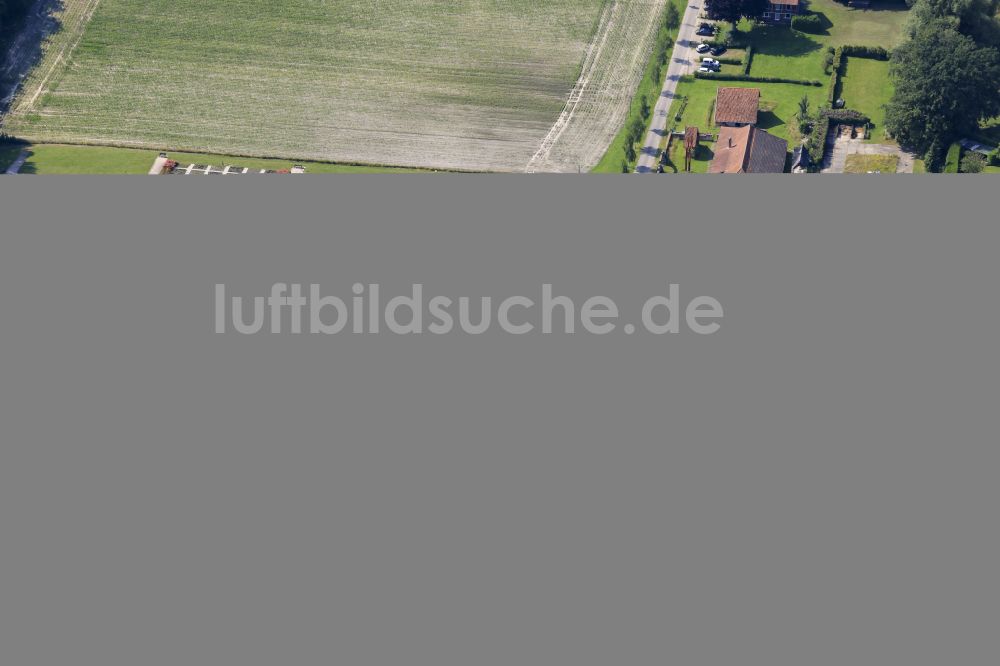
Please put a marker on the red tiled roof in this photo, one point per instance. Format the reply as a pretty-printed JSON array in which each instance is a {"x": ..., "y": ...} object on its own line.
[
  {"x": 737, "y": 105},
  {"x": 748, "y": 150},
  {"x": 691, "y": 137}
]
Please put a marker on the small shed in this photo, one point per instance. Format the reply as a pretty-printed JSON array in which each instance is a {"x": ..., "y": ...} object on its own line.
[{"x": 692, "y": 138}]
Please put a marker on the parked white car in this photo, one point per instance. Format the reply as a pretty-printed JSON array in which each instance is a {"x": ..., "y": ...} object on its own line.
[
  {"x": 703, "y": 48},
  {"x": 710, "y": 62}
]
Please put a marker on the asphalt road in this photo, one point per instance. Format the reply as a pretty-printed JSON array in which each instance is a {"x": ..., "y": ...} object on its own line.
[{"x": 681, "y": 62}]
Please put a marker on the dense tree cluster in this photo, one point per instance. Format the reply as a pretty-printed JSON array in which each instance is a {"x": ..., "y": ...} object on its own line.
[
  {"x": 947, "y": 75},
  {"x": 734, "y": 10},
  {"x": 12, "y": 10}
]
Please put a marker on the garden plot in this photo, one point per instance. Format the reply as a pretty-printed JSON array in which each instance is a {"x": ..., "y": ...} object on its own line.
[{"x": 461, "y": 84}]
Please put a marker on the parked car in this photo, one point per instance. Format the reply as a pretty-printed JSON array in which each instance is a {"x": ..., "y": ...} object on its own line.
[
  {"x": 703, "y": 48},
  {"x": 708, "y": 70},
  {"x": 710, "y": 61},
  {"x": 717, "y": 51},
  {"x": 706, "y": 30}
]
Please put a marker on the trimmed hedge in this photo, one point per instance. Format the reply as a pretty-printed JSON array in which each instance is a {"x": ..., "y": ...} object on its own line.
[
  {"x": 953, "y": 159},
  {"x": 811, "y": 23},
  {"x": 838, "y": 66},
  {"x": 716, "y": 76},
  {"x": 870, "y": 52},
  {"x": 846, "y": 116},
  {"x": 748, "y": 60},
  {"x": 817, "y": 140}
]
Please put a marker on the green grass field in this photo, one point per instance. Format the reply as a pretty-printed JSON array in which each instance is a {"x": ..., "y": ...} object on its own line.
[
  {"x": 467, "y": 84},
  {"x": 63, "y": 159}
]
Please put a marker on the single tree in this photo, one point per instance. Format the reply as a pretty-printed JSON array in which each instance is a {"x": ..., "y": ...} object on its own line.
[
  {"x": 727, "y": 10},
  {"x": 672, "y": 18},
  {"x": 945, "y": 84},
  {"x": 975, "y": 18},
  {"x": 754, "y": 9},
  {"x": 629, "y": 152}
]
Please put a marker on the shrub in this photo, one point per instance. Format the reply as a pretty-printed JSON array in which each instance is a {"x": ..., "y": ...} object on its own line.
[
  {"x": 811, "y": 23},
  {"x": 973, "y": 162},
  {"x": 716, "y": 76},
  {"x": 828, "y": 61},
  {"x": 846, "y": 116}
]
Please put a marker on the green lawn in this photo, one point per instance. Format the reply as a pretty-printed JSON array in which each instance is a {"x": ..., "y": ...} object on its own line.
[
  {"x": 779, "y": 103},
  {"x": 871, "y": 163},
  {"x": 787, "y": 53},
  {"x": 63, "y": 159},
  {"x": 866, "y": 87}
]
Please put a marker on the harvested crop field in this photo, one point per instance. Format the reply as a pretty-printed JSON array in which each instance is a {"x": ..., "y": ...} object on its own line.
[{"x": 504, "y": 85}]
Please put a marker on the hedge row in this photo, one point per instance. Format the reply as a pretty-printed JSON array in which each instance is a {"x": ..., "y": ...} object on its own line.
[
  {"x": 748, "y": 60},
  {"x": 826, "y": 117},
  {"x": 846, "y": 116},
  {"x": 717, "y": 76},
  {"x": 838, "y": 65},
  {"x": 817, "y": 140},
  {"x": 811, "y": 23},
  {"x": 870, "y": 52}
]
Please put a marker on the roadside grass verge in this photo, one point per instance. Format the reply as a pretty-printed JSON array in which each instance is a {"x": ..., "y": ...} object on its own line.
[{"x": 69, "y": 159}]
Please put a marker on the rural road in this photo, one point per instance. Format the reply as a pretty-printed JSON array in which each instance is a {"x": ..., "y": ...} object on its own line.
[{"x": 681, "y": 62}]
